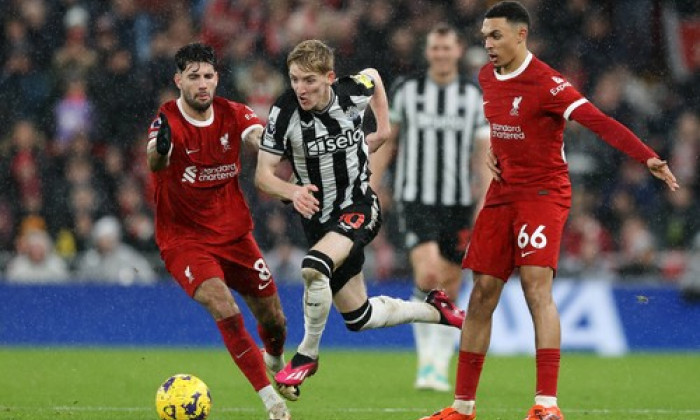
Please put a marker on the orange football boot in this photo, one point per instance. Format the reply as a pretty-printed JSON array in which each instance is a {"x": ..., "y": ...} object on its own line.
[
  {"x": 538, "y": 412},
  {"x": 450, "y": 413}
]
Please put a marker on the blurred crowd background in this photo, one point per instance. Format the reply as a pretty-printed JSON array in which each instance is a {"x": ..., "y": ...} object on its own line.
[{"x": 80, "y": 81}]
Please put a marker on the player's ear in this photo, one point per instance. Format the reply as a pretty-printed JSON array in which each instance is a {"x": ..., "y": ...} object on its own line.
[
  {"x": 177, "y": 79},
  {"x": 330, "y": 77},
  {"x": 522, "y": 34}
]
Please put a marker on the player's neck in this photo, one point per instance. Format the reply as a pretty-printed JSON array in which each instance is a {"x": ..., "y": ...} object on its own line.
[
  {"x": 195, "y": 114},
  {"x": 515, "y": 63},
  {"x": 442, "y": 79}
]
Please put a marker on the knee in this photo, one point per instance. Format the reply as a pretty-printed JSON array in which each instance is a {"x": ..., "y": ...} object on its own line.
[
  {"x": 428, "y": 279},
  {"x": 217, "y": 299},
  {"x": 537, "y": 297},
  {"x": 316, "y": 265},
  {"x": 483, "y": 300}
]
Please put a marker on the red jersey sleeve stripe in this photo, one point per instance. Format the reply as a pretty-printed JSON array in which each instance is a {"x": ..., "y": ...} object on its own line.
[{"x": 573, "y": 106}]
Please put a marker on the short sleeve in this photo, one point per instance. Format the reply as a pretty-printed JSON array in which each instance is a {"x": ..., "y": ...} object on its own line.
[
  {"x": 246, "y": 119},
  {"x": 481, "y": 126},
  {"x": 560, "y": 97},
  {"x": 358, "y": 88},
  {"x": 273, "y": 139}
]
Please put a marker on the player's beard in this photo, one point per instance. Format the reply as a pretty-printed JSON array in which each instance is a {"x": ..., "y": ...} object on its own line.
[{"x": 198, "y": 105}]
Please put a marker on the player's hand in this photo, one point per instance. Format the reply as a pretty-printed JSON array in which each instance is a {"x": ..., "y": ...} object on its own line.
[
  {"x": 492, "y": 164},
  {"x": 659, "y": 168},
  {"x": 163, "y": 141},
  {"x": 304, "y": 201}
]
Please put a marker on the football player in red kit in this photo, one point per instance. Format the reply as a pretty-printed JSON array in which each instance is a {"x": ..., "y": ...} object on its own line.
[
  {"x": 527, "y": 104},
  {"x": 203, "y": 224}
]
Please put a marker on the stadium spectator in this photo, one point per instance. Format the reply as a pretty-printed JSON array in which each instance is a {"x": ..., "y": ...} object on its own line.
[
  {"x": 36, "y": 262},
  {"x": 44, "y": 30},
  {"x": 109, "y": 260},
  {"x": 520, "y": 226},
  {"x": 203, "y": 224},
  {"x": 318, "y": 125}
]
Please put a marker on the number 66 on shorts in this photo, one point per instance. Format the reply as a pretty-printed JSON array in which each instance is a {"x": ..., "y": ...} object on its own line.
[{"x": 515, "y": 234}]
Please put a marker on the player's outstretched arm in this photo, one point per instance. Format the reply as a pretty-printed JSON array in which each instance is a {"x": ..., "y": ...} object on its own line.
[
  {"x": 300, "y": 195},
  {"x": 659, "y": 168},
  {"x": 621, "y": 138},
  {"x": 380, "y": 107},
  {"x": 158, "y": 150}
]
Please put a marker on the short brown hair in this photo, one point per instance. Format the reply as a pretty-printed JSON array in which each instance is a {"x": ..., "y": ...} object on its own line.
[
  {"x": 443, "y": 28},
  {"x": 312, "y": 55}
]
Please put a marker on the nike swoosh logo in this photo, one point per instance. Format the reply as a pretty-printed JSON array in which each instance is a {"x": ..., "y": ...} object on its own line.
[
  {"x": 264, "y": 285},
  {"x": 484, "y": 103},
  {"x": 238, "y": 356},
  {"x": 189, "y": 152},
  {"x": 525, "y": 254}
]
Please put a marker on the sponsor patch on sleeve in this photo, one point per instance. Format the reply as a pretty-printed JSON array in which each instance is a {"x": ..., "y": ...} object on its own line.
[{"x": 363, "y": 79}]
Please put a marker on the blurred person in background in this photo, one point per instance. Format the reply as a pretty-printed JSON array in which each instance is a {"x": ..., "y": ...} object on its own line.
[
  {"x": 36, "y": 262},
  {"x": 109, "y": 260},
  {"x": 440, "y": 138},
  {"x": 203, "y": 224},
  {"x": 520, "y": 226}
]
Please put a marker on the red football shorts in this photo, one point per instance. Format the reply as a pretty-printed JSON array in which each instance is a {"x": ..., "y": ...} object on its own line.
[
  {"x": 516, "y": 234},
  {"x": 239, "y": 264}
]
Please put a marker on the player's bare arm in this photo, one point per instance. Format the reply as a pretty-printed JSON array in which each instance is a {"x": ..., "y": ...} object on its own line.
[
  {"x": 492, "y": 165},
  {"x": 382, "y": 157},
  {"x": 253, "y": 138},
  {"x": 484, "y": 174},
  {"x": 380, "y": 107},
  {"x": 300, "y": 195},
  {"x": 159, "y": 149}
]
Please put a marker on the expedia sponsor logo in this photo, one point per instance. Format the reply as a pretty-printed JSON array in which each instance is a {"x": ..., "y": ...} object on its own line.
[
  {"x": 441, "y": 122},
  {"x": 557, "y": 90},
  {"x": 507, "y": 132},
  {"x": 333, "y": 144},
  {"x": 194, "y": 174}
]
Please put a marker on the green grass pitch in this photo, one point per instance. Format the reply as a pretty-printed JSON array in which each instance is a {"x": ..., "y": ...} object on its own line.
[{"x": 105, "y": 384}]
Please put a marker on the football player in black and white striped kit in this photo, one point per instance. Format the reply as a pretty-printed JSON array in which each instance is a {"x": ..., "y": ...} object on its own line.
[
  {"x": 438, "y": 119},
  {"x": 317, "y": 125}
]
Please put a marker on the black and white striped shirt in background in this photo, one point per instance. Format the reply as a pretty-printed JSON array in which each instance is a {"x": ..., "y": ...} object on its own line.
[
  {"x": 437, "y": 129},
  {"x": 326, "y": 148}
]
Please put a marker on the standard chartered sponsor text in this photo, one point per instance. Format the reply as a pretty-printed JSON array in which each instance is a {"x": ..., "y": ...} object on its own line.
[
  {"x": 218, "y": 173},
  {"x": 507, "y": 132}
]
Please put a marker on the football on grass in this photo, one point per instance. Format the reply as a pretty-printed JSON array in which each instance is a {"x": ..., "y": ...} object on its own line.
[{"x": 183, "y": 397}]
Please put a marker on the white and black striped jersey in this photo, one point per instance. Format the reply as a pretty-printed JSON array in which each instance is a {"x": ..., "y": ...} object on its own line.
[
  {"x": 437, "y": 129},
  {"x": 326, "y": 148}
]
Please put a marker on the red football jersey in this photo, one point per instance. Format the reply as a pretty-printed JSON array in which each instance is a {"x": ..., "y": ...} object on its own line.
[
  {"x": 527, "y": 111},
  {"x": 198, "y": 197}
]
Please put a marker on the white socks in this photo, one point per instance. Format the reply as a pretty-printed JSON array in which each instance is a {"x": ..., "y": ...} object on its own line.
[
  {"x": 388, "y": 311},
  {"x": 464, "y": 407},
  {"x": 545, "y": 400},
  {"x": 317, "y": 305},
  {"x": 269, "y": 397}
]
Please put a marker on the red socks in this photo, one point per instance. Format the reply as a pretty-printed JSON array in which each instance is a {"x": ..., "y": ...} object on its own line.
[
  {"x": 273, "y": 340},
  {"x": 243, "y": 350},
  {"x": 468, "y": 372},
  {"x": 547, "y": 371}
]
